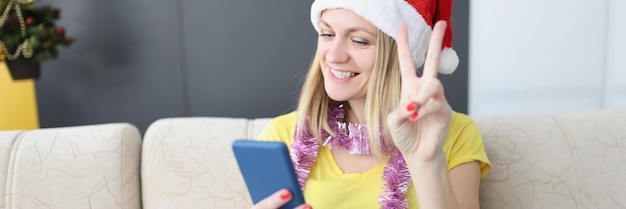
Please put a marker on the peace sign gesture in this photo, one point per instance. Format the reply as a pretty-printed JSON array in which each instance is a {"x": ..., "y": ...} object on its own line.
[{"x": 419, "y": 124}]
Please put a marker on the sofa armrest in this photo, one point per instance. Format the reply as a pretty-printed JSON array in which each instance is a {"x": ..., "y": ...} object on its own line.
[
  {"x": 94, "y": 166},
  {"x": 7, "y": 138}
]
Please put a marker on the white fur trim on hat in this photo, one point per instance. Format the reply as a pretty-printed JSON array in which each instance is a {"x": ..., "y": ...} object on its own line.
[
  {"x": 448, "y": 61},
  {"x": 387, "y": 15}
]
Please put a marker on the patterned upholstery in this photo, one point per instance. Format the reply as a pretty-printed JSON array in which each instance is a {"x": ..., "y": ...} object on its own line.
[
  {"x": 543, "y": 161},
  {"x": 7, "y": 138},
  {"x": 575, "y": 160},
  {"x": 188, "y": 163},
  {"x": 94, "y": 166}
]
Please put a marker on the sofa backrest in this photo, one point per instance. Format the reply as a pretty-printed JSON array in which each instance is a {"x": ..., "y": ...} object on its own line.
[
  {"x": 573, "y": 160},
  {"x": 94, "y": 166}
]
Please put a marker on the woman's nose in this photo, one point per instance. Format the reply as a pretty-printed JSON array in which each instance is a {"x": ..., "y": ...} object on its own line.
[{"x": 338, "y": 52}]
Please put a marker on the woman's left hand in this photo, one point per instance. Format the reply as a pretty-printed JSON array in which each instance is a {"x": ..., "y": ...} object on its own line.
[{"x": 419, "y": 124}]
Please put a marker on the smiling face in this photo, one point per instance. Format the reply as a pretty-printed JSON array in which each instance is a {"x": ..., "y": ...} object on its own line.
[{"x": 346, "y": 49}]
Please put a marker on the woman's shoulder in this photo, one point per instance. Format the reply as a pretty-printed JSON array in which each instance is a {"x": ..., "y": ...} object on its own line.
[
  {"x": 284, "y": 121},
  {"x": 280, "y": 128},
  {"x": 461, "y": 121},
  {"x": 464, "y": 143},
  {"x": 462, "y": 130}
]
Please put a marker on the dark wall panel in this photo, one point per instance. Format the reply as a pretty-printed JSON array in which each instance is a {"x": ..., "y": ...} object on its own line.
[
  {"x": 456, "y": 85},
  {"x": 246, "y": 58},
  {"x": 125, "y": 66}
]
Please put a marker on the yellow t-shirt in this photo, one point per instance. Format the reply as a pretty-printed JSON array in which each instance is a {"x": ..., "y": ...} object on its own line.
[{"x": 328, "y": 187}]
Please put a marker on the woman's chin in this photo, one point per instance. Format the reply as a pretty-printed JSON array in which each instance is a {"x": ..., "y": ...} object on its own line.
[
  {"x": 339, "y": 96},
  {"x": 343, "y": 92}
]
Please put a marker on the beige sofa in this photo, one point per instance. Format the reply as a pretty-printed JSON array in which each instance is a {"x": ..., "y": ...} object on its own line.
[
  {"x": 80, "y": 167},
  {"x": 575, "y": 160}
]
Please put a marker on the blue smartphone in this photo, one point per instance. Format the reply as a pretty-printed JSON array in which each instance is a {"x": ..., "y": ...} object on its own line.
[{"x": 266, "y": 168}]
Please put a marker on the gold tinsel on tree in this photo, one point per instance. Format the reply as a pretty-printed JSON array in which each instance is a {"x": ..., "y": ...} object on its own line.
[{"x": 29, "y": 32}]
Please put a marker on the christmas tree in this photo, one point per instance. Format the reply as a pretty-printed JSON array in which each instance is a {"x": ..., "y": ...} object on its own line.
[{"x": 27, "y": 31}]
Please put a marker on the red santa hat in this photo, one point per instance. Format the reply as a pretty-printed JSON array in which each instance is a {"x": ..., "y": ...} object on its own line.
[{"x": 418, "y": 15}]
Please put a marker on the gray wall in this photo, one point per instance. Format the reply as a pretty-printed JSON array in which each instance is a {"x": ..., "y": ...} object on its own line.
[{"x": 140, "y": 60}]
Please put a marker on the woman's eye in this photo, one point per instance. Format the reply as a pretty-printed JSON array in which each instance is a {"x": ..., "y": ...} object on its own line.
[
  {"x": 326, "y": 35},
  {"x": 361, "y": 42}
]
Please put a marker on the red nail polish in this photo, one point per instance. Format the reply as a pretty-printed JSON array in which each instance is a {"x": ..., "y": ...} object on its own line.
[
  {"x": 411, "y": 106},
  {"x": 284, "y": 195},
  {"x": 413, "y": 116},
  {"x": 307, "y": 207}
]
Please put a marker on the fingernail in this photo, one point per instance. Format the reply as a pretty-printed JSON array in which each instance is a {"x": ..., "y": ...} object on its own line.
[
  {"x": 411, "y": 106},
  {"x": 307, "y": 207},
  {"x": 413, "y": 116},
  {"x": 284, "y": 195}
]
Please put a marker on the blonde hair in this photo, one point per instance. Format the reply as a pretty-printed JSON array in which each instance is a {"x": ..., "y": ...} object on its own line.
[{"x": 383, "y": 96}]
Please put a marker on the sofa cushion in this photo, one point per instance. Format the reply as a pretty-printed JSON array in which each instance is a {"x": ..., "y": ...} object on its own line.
[
  {"x": 189, "y": 163},
  {"x": 575, "y": 160}
]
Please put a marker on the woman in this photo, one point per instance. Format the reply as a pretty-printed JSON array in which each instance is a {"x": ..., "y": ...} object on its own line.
[{"x": 363, "y": 75}]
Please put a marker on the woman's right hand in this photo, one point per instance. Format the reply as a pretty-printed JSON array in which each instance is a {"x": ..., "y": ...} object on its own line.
[{"x": 278, "y": 199}]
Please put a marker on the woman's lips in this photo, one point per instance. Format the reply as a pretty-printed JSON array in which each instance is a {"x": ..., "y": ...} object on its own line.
[{"x": 342, "y": 74}]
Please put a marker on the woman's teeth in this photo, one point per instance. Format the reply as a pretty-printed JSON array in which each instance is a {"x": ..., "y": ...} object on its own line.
[{"x": 342, "y": 74}]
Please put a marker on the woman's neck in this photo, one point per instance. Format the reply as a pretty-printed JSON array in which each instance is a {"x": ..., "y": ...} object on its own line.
[{"x": 355, "y": 113}]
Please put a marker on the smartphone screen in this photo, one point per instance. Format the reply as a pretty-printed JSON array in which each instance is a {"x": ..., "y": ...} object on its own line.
[{"x": 266, "y": 168}]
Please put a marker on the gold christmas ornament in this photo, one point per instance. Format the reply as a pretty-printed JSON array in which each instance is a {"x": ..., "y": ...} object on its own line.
[
  {"x": 24, "y": 48},
  {"x": 30, "y": 31},
  {"x": 25, "y": 1}
]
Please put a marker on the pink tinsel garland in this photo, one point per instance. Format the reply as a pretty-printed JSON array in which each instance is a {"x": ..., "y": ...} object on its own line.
[{"x": 353, "y": 137}]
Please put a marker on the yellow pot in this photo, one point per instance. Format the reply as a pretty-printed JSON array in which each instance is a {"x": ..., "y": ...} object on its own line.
[{"x": 18, "y": 102}]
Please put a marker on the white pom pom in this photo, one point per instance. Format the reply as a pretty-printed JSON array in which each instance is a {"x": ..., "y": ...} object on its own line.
[{"x": 448, "y": 61}]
